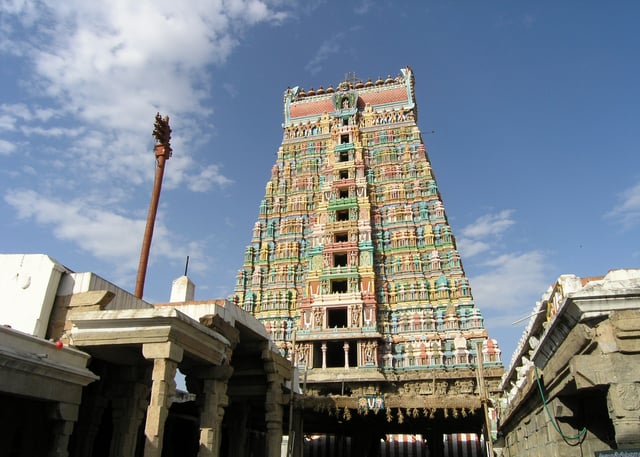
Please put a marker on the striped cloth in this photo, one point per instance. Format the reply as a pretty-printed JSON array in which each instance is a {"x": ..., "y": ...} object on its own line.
[
  {"x": 455, "y": 445},
  {"x": 404, "y": 446},
  {"x": 327, "y": 446},
  {"x": 462, "y": 445}
]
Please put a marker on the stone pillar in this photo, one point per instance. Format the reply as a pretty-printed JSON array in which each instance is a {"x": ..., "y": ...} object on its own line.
[
  {"x": 64, "y": 416},
  {"x": 129, "y": 407},
  {"x": 274, "y": 400},
  {"x": 324, "y": 355},
  {"x": 273, "y": 418},
  {"x": 345, "y": 346},
  {"x": 166, "y": 357},
  {"x": 623, "y": 401},
  {"x": 213, "y": 401}
]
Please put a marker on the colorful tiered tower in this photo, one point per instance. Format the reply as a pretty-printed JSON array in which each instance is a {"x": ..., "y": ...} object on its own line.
[{"x": 352, "y": 258}]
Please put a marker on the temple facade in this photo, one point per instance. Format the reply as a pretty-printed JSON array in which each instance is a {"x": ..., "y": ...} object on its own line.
[{"x": 353, "y": 268}]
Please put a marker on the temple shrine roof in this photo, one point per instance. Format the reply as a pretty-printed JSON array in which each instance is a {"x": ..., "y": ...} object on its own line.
[{"x": 301, "y": 104}]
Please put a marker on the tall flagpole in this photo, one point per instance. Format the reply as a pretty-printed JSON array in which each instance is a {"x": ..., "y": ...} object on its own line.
[{"x": 162, "y": 151}]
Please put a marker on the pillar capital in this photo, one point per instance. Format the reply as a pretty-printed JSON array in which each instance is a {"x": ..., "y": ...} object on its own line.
[
  {"x": 65, "y": 412},
  {"x": 167, "y": 350}
]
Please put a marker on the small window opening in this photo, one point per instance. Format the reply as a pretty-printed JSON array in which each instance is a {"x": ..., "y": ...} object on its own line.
[
  {"x": 344, "y": 193},
  {"x": 339, "y": 260},
  {"x": 345, "y": 121},
  {"x": 344, "y": 174},
  {"x": 342, "y": 215},
  {"x": 342, "y": 237},
  {"x": 339, "y": 286},
  {"x": 344, "y": 156},
  {"x": 337, "y": 318},
  {"x": 344, "y": 139}
]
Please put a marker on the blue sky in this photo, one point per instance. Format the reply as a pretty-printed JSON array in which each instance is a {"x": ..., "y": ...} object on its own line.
[{"x": 534, "y": 106}]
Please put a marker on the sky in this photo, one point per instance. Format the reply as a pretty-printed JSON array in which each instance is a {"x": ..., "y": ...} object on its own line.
[{"x": 529, "y": 111}]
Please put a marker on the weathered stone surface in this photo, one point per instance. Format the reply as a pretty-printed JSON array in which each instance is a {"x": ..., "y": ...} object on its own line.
[{"x": 587, "y": 354}]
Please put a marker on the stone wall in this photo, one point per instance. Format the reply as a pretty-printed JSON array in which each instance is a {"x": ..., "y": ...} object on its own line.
[{"x": 582, "y": 349}]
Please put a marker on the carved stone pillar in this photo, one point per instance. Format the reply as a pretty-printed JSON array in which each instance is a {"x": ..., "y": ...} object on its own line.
[
  {"x": 212, "y": 400},
  {"x": 64, "y": 416},
  {"x": 623, "y": 401},
  {"x": 323, "y": 347},
  {"x": 166, "y": 357}
]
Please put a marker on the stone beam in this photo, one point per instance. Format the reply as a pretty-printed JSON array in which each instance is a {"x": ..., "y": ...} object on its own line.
[{"x": 598, "y": 370}]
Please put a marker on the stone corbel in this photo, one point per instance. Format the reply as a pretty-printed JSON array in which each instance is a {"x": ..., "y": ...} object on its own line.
[{"x": 65, "y": 305}]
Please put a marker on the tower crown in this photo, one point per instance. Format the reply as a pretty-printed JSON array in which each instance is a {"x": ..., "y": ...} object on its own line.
[{"x": 301, "y": 106}]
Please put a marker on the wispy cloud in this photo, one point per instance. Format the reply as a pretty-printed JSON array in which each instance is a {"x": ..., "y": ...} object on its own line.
[
  {"x": 478, "y": 236},
  {"x": 363, "y": 7},
  {"x": 627, "y": 211},
  {"x": 327, "y": 48},
  {"x": 509, "y": 281},
  {"x": 6, "y": 147},
  {"x": 331, "y": 46},
  {"x": 502, "y": 282},
  {"x": 107, "y": 235},
  {"x": 231, "y": 89}
]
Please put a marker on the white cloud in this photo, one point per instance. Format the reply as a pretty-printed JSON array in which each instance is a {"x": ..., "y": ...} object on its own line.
[
  {"x": 489, "y": 225},
  {"x": 52, "y": 131},
  {"x": 509, "y": 282},
  {"x": 627, "y": 212},
  {"x": 6, "y": 147},
  {"x": 470, "y": 248},
  {"x": 478, "y": 236},
  {"x": 106, "y": 235},
  {"x": 206, "y": 178},
  {"x": 109, "y": 67},
  {"x": 504, "y": 283},
  {"x": 99, "y": 72},
  {"x": 7, "y": 122}
]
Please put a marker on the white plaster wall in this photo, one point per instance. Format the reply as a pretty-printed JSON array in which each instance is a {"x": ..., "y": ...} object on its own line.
[
  {"x": 28, "y": 285},
  {"x": 75, "y": 283}
]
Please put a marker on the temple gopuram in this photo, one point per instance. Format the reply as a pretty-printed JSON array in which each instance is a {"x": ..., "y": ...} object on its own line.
[{"x": 353, "y": 270}]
